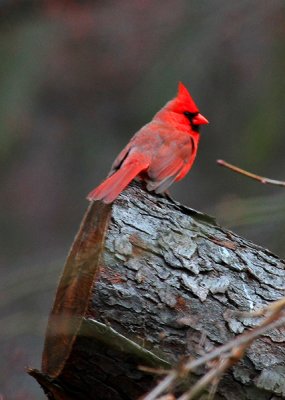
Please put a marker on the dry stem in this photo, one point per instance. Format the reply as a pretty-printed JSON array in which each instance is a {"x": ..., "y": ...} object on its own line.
[
  {"x": 226, "y": 356},
  {"x": 241, "y": 171}
]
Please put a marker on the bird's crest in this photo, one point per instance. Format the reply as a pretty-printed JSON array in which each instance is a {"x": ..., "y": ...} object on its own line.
[{"x": 184, "y": 99}]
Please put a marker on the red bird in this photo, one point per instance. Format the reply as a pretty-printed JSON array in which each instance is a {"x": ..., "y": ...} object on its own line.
[{"x": 161, "y": 152}]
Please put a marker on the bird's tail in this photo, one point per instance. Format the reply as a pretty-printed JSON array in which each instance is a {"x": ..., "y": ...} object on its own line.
[{"x": 110, "y": 189}]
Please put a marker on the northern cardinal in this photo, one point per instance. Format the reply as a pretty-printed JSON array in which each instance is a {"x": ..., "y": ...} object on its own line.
[{"x": 161, "y": 152}]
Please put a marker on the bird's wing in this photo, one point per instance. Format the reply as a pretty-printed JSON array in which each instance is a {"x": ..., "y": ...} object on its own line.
[{"x": 168, "y": 163}]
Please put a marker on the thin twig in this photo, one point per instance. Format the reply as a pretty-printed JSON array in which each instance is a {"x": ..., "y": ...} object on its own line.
[
  {"x": 155, "y": 371},
  {"x": 162, "y": 386},
  {"x": 214, "y": 373},
  {"x": 235, "y": 349},
  {"x": 213, "y": 390},
  {"x": 240, "y": 340},
  {"x": 241, "y": 171}
]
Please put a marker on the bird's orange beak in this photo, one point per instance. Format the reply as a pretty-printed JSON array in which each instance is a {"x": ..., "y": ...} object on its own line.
[{"x": 199, "y": 119}]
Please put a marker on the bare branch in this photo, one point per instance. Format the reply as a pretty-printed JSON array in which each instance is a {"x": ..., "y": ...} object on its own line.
[
  {"x": 241, "y": 171},
  {"x": 206, "y": 380},
  {"x": 227, "y": 355}
]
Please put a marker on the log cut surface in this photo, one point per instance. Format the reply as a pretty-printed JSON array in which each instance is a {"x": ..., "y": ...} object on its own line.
[{"x": 163, "y": 284}]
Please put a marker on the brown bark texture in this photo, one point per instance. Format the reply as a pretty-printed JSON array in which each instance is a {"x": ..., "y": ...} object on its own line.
[{"x": 147, "y": 282}]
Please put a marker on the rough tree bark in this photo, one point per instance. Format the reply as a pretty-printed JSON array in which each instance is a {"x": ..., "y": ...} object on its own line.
[{"x": 149, "y": 281}]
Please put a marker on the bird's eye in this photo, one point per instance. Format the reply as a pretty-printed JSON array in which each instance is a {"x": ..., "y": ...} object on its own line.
[{"x": 189, "y": 114}]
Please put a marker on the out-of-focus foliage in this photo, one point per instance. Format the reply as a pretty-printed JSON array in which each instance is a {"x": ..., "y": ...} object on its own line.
[{"x": 78, "y": 79}]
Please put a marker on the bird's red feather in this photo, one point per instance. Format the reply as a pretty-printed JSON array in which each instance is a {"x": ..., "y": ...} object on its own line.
[{"x": 161, "y": 152}]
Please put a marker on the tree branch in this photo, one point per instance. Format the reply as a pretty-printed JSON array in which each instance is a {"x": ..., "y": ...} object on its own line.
[{"x": 258, "y": 178}]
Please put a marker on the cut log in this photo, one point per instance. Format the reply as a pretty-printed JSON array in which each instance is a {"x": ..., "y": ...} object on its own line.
[{"x": 147, "y": 282}]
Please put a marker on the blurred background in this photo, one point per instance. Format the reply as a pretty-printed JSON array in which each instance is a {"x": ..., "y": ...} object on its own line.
[{"x": 78, "y": 78}]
